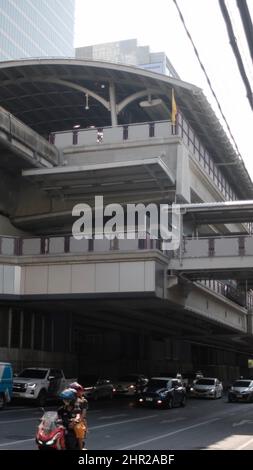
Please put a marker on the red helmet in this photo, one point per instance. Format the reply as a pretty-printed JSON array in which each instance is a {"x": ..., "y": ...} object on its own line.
[{"x": 76, "y": 386}]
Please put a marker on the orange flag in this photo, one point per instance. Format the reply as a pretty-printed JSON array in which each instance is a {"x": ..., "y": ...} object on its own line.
[{"x": 173, "y": 108}]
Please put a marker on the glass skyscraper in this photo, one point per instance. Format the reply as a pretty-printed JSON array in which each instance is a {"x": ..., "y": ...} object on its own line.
[{"x": 36, "y": 28}]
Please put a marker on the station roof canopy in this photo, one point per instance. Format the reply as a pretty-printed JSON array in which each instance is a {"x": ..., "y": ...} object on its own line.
[{"x": 51, "y": 95}]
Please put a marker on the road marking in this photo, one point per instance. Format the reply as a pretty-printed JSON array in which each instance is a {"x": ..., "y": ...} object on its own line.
[
  {"x": 122, "y": 422},
  {"x": 245, "y": 444},
  {"x": 18, "y": 420},
  {"x": 113, "y": 416},
  {"x": 17, "y": 442},
  {"x": 90, "y": 428},
  {"x": 162, "y": 436},
  {"x": 171, "y": 420},
  {"x": 15, "y": 409},
  {"x": 241, "y": 423}
]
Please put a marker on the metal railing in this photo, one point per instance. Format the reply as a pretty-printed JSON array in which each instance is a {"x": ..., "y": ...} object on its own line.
[
  {"x": 237, "y": 295},
  {"x": 206, "y": 161},
  {"x": 147, "y": 130},
  {"x": 67, "y": 244}
]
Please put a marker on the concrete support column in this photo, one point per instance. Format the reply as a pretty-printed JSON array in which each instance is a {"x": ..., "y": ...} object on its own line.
[
  {"x": 250, "y": 322},
  {"x": 43, "y": 334},
  {"x": 9, "y": 327},
  {"x": 52, "y": 337},
  {"x": 32, "y": 331},
  {"x": 21, "y": 329},
  {"x": 112, "y": 94},
  {"x": 70, "y": 333}
]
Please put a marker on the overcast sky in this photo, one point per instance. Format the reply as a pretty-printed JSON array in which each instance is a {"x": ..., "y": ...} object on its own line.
[{"x": 157, "y": 24}]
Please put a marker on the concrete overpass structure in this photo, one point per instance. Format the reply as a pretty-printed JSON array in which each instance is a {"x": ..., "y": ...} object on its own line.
[{"x": 122, "y": 304}]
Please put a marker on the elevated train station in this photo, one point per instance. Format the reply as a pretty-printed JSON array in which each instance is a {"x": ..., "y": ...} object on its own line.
[{"x": 71, "y": 130}]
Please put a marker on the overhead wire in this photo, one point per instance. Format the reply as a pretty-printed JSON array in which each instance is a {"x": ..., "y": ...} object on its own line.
[
  {"x": 206, "y": 76},
  {"x": 233, "y": 42},
  {"x": 247, "y": 23}
]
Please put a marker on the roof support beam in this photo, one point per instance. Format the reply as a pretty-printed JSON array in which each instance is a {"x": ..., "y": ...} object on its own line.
[{"x": 77, "y": 87}]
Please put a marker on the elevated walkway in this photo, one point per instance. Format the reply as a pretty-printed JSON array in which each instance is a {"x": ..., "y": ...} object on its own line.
[
  {"x": 215, "y": 258},
  {"x": 62, "y": 268},
  {"x": 21, "y": 147}
]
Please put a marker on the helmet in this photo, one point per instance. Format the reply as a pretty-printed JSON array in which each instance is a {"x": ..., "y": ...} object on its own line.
[
  {"x": 68, "y": 394},
  {"x": 76, "y": 386}
]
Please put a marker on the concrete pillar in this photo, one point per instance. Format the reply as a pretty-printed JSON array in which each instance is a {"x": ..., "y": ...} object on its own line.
[
  {"x": 9, "y": 327},
  {"x": 43, "y": 334},
  {"x": 70, "y": 332},
  {"x": 250, "y": 322},
  {"x": 52, "y": 336},
  {"x": 112, "y": 94},
  {"x": 32, "y": 331},
  {"x": 21, "y": 329}
]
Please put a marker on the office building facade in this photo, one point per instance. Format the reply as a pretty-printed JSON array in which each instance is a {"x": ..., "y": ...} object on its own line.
[
  {"x": 36, "y": 28},
  {"x": 128, "y": 52}
]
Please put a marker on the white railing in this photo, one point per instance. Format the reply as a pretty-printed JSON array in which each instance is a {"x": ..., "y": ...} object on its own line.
[
  {"x": 112, "y": 135},
  {"x": 227, "y": 246},
  {"x": 67, "y": 244}
]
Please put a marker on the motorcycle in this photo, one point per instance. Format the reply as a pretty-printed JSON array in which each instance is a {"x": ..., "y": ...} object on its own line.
[{"x": 51, "y": 432}]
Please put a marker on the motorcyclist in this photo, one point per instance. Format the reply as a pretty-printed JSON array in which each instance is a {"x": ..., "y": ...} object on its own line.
[
  {"x": 69, "y": 413},
  {"x": 80, "y": 428}
]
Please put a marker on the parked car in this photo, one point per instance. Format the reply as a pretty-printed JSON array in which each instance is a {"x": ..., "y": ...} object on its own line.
[
  {"x": 40, "y": 384},
  {"x": 163, "y": 392},
  {"x": 130, "y": 384},
  {"x": 6, "y": 383},
  {"x": 207, "y": 387},
  {"x": 190, "y": 378},
  {"x": 241, "y": 390},
  {"x": 173, "y": 375},
  {"x": 96, "y": 387}
]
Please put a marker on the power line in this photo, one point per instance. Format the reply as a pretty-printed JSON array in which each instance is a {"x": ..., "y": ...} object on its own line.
[
  {"x": 236, "y": 51},
  {"x": 206, "y": 75},
  {"x": 247, "y": 23}
]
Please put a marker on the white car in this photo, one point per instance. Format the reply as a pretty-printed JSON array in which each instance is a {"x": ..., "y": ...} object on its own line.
[{"x": 207, "y": 387}]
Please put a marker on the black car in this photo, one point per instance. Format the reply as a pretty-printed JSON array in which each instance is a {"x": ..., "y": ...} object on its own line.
[
  {"x": 163, "y": 392},
  {"x": 96, "y": 387}
]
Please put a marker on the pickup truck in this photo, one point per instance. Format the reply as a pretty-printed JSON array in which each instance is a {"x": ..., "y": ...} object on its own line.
[{"x": 39, "y": 384}]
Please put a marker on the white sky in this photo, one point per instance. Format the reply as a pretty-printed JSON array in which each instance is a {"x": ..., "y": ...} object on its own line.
[{"x": 157, "y": 24}]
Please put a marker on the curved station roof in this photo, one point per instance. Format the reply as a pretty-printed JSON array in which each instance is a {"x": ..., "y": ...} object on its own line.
[{"x": 51, "y": 95}]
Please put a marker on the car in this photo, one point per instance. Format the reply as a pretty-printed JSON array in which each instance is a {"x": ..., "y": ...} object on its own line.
[
  {"x": 39, "y": 384},
  {"x": 164, "y": 392},
  {"x": 190, "y": 378},
  {"x": 174, "y": 375},
  {"x": 207, "y": 387},
  {"x": 241, "y": 390},
  {"x": 96, "y": 387},
  {"x": 130, "y": 384}
]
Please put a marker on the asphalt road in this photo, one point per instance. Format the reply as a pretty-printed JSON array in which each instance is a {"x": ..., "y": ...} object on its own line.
[{"x": 118, "y": 425}]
